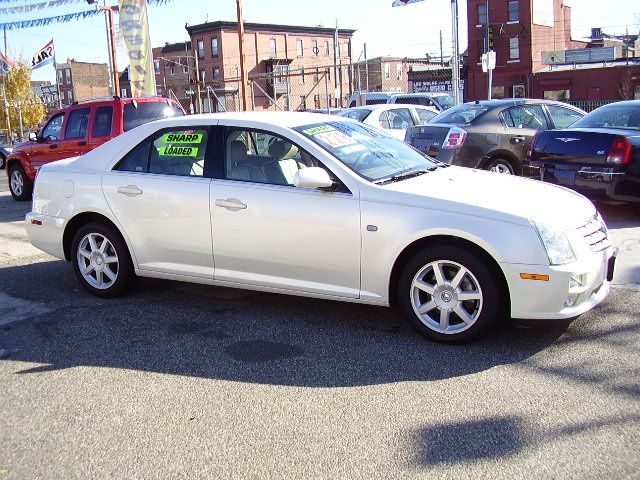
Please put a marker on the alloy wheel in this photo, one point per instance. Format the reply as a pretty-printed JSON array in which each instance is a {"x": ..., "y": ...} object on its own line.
[
  {"x": 98, "y": 261},
  {"x": 17, "y": 182},
  {"x": 446, "y": 297}
]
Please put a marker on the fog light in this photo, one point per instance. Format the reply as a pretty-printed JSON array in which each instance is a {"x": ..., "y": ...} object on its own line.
[{"x": 571, "y": 300}]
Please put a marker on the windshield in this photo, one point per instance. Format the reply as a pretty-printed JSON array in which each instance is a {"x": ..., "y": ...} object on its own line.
[
  {"x": 465, "y": 113},
  {"x": 370, "y": 153},
  {"x": 444, "y": 101},
  {"x": 146, "y": 112},
  {"x": 626, "y": 117}
]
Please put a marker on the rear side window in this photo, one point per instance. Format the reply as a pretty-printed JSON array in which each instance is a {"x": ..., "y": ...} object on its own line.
[
  {"x": 525, "y": 116},
  {"x": 397, "y": 119},
  {"x": 137, "y": 160},
  {"x": 78, "y": 123},
  {"x": 145, "y": 112},
  {"x": 102, "y": 122},
  {"x": 179, "y": 152},
  {"x": 425, "y": 115}
]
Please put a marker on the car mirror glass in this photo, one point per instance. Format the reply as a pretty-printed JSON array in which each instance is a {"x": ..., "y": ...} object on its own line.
[{"x": 33, "y": 137}]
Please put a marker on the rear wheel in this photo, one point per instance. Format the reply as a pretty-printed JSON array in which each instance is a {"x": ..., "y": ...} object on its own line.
[
  {"x": 19, "y": 184},
  {"x": 101, "y": 260},
  {"x": 500, "y": 165},
  {"x": 448, "y": 294}
]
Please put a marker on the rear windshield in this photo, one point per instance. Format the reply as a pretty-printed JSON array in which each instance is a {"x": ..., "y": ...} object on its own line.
[
  {"x": 147, "y": 112},
  {"x": 625, "y": 117},
  {"x": 445, "y": 101},
  {"x": 461, "y": 114}
]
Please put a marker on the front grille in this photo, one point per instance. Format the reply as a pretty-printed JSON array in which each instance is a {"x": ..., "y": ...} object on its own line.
[{"x": 595, "y": 234}]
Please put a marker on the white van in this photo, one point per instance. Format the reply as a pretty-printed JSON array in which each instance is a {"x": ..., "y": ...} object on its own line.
[{"x": 440, "y": 101}]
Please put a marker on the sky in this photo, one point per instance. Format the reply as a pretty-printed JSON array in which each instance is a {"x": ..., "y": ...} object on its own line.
[{"x": 410, "y": 31}]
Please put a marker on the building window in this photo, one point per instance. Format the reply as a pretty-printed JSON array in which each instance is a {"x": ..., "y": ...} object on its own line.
[
  {"x": 214, "y": 47},
  {"x": 514, "y": 12},
  {"x": 514, "y": 48},
  {"x": 216, "y": 73},
  {"x": 316, "y": 101},
  {"x": 156, "y": 66},
  {"x": 185, "y": 65},
  {"x": 399, "y": 72},
  {"x": 345, "y": 49},
  {"x": 200, "y": 48},
  {"x": 314, "y": 47},
  {"x": 316, "y": 76},
  {"x": 202, "y": 75},
  {"x": 327, "y": 50},
  {"x": 301, "y": 75},
  {"x": 303, "y": 102},
  {"x": 60, "y": 76},
  {"x": 387, "y": 71},
  {"x": 67, "y": 73},
  {"x": 123, "y": 92},
  {"x": 482, "y": 14},
  {"x": 287, "y": 103},
  {"x": 497, "y": 91},
  {"x": 273, "y": 47},
  {"x": 69, "y": 96},
  {"x": 560, "y": 95},
  {"x": 172, "y": 70},
  {"x": 299, "y": 48}
]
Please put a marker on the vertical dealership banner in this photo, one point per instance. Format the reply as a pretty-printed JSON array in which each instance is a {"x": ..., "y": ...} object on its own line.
[
  {"x": 134, "y": 28},
  {"x": 45, "y": 56}
]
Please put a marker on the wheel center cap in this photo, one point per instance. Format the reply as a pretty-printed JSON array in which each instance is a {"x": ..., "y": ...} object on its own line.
[
  {"x": 99, "y": 260},
  {"x": 445, "y": 297}
]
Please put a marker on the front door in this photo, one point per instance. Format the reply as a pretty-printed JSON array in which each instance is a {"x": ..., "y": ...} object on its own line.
[
  {"x": 268, "y": 232},
  {"x": 160, "y": 196}
]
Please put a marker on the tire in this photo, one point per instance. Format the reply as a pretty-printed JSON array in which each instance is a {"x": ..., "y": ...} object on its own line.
[
  {"x": 105, "y": 270},
  {"x": 434, "y": 308},
  {"x": 19, "y": 184},
  {"x": 3, "y": 161},
  {"x": 500, "y": 165}
]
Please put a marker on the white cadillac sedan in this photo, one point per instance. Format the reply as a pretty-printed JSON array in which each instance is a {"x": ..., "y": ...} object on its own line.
[{"x": 319, "y": 206}]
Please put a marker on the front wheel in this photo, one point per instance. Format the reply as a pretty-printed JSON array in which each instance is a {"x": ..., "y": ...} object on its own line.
[
  {"x": 19, "y": 184},
  {"x": 101, "y": 260},
  {"x": 448, "y": 294}
]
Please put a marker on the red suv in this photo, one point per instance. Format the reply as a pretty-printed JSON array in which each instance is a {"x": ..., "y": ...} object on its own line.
[{"x": 76, "y": 129}]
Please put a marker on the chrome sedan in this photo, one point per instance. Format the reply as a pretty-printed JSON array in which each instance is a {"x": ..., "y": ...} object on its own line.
[{"x": 320, "y": 206}]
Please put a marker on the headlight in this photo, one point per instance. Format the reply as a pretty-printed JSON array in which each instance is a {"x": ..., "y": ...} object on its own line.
[{"x": 556, "y": 244}]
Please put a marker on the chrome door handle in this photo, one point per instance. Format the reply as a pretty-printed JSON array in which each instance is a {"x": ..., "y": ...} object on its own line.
[
  {"x": 230, "y": 203},
  {"x": 130, "y": 190}
]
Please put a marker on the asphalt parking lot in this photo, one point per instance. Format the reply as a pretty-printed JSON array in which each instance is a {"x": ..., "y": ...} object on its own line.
[{"x": 184, "y": 381}]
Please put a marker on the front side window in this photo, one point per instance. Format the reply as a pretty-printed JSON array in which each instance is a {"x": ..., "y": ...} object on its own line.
[
  {"x": 514, "y": 11},
  {"x": 102, "y": 122},
  {"x": 514, "y": 48},
  {"x": 372, "y": 154},
  {"x": 563, "y": 117},
  {"x": 78, "y": 123},
  {"x": 262, "y": 157},
  {"x": 525, "y": 116},
  {"x": 53, "y": 129}
]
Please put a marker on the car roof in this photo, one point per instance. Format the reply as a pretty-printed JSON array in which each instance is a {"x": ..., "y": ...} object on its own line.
[
  {"x": 285, "y": 119},
  {"x": 498, "y": 102},
  {"x": 389, "y": 106}
]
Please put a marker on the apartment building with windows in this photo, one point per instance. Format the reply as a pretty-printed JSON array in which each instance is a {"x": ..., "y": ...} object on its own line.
[
  {"x": 79, "y": 80},
  {"x": 293, "y": 67}
]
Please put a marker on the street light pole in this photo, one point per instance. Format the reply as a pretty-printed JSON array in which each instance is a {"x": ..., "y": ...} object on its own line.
[
  {"x": 241, "y": 48},
  {"x": 455, "y": 64}
]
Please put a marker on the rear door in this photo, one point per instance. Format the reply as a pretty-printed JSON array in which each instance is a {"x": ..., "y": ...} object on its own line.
[
  {"x": 102, "y": 128},
  {"x": 159, "y": 192},
  {"x": 521, "y": 123},
  {"x": 76, "y": 130}
]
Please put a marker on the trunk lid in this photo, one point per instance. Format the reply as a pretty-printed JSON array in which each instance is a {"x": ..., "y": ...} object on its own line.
[
  {"x": 576, "y": 146},
  {"x": 428, "y": 138}
]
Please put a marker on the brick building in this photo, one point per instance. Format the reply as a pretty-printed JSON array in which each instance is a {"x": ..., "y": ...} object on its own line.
[
  {"x": 295, "y": 67},
  {"x": 174, "y": 65},
  {"x": 78, "y": 80},
  {"x": 536, "y": 56},
  {"x": 390, "y": 74}
]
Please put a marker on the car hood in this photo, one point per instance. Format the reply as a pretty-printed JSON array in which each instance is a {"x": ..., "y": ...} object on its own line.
[{"x": 492, "y": 195}]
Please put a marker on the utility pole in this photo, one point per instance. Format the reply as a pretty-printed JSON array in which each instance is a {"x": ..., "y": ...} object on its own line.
[
  {"x": 455, "y": 64},
  {"x": 366, "y": 67},
  {"x": 335, "y": 56},
  {"x": 243, "y": 73},
  {"x": 197, "y": 76},
  {"x": 6, "y": 112},
  {"x": 112, "y": 46},
  {"x": 441, "y": 52}
]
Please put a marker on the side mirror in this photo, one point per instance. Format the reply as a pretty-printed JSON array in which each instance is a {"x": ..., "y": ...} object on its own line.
[
  {"x": 33, "y": 137},
  {"x": 312, "y": 177}
]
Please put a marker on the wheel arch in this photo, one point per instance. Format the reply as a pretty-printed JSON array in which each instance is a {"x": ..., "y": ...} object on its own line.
[
  {"x": 76, "y": 222},
  {"x": 441, "y": 239}
]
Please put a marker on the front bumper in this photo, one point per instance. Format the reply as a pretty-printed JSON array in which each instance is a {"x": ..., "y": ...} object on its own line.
[
  {"x": 46, "y": 233},
  {"x": 571, "y": 289}
]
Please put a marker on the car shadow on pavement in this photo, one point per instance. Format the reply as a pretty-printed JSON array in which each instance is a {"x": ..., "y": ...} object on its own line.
[
  {"x": 221, "y": 333},
  {"x": 10, "y": 210}
]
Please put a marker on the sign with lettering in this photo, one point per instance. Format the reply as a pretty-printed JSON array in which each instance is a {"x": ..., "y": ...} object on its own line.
[
  {"x": 134, "y": 28},
  {"x": 44, "y": 56}
]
